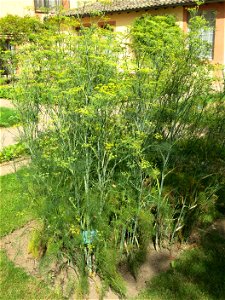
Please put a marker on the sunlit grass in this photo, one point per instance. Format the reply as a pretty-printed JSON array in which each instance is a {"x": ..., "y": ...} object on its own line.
[
  {"x": 16, "y": 211},
  {"x": 17, "y": 285},
  {"x": 15, "y": 204},
  {"x": 8, "y": 117}
]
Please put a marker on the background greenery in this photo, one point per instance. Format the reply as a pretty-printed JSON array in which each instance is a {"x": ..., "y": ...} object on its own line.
[{"x": 8, "y": 117}]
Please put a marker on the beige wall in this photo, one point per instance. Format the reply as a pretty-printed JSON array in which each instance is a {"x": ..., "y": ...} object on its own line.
[
  {"x": 125, "y": 19},
  {"x": 224, "y": 40},
  {"x": 16, "y": 7}
]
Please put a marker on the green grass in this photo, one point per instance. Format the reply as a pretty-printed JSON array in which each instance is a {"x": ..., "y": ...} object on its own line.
[
  {"x": 15, "y": 205},
  {"x": 8, "y": 117},
  {"x": 6, "y": 91},
  {"x": 199, "y": 274},
  {"x": 15, "y": 211},
  {"x": 17, "y": 285}
]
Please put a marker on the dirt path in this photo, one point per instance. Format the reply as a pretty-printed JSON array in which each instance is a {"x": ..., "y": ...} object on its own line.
[
  {"x": 16, "y": 247},
  {"x": 10, "y": 136},
  {"x": 13, "y": 166},
  {"x": 6, "y": 103}
]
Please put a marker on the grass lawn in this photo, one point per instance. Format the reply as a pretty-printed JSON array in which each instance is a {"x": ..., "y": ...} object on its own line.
[
  {"x": 6, "y": 91},
  {"x": 15, "y": 211},
  {"x": 15, "y": 208},
  {"x": 199, "y": 274},
  {"x": 17, "y": 285},
  {"x": 8, "y": 117}
]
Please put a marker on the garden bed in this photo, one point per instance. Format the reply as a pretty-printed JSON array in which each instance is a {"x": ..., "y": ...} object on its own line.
[{"x": 60, "y": 277}]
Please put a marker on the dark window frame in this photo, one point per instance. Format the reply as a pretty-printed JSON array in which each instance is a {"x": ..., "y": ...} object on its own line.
[{"x": 39, "y": 5}]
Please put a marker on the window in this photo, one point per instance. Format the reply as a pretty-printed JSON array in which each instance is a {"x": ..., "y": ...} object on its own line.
[
  {"x": 78, "y": 28},
  {"x": 208, "y": 34},
  {"x": 107, "y": 25},
  {"x": 39, "y": 4}
]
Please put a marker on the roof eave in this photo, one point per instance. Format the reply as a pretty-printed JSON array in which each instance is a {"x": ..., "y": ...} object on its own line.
[{"x": 146, "y": 8}]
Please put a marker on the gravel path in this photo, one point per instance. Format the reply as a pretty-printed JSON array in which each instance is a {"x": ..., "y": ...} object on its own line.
[{"x": 6, "y": 103}]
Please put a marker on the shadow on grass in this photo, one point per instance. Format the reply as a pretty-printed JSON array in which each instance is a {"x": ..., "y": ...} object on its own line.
[{"x": 199, "y": 273}]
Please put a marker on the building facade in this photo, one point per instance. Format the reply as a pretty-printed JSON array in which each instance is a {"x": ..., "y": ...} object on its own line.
[
  {"x": 33, "y": 7},
  {"x": 121, "y": 14}
]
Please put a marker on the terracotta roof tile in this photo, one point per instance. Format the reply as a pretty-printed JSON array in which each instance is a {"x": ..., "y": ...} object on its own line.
[{"x": 129, "y": 5}]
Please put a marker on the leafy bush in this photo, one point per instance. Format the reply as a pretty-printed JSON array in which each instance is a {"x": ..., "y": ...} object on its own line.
[
  {"x": 21, "y": 30},
  {"x": 103, "y": 163},
  {"x": 14, "y": 151}
]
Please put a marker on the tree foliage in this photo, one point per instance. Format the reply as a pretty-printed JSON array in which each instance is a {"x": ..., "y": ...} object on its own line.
[
  {"x": 19, "y": 30},
  {"x": 15, "y": 31}
]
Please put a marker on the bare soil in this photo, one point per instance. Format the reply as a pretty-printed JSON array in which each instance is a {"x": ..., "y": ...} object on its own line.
[
  {"x": 219, "y": 226},
  {"x": 16, "y": 248}
]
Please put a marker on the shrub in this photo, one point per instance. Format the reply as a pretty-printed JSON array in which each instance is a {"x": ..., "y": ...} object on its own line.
[
  {"x": 14, "y": 151},
  {"x": 101, "y": 164}
]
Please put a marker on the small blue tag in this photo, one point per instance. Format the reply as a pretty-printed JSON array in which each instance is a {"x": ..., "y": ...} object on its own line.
[{"x": 88, "y": 236}]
